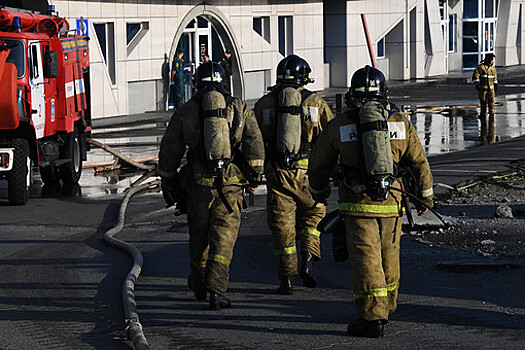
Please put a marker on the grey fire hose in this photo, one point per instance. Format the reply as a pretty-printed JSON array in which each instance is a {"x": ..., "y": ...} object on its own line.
[{"x": 133, "y": 326}]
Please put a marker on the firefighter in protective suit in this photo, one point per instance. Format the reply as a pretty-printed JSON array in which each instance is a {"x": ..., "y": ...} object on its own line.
[
  {"x": 291, "y": 118},
  {"x": 225, "y": 153},
  {"x": 367, "y": 141},
  {"x": 485, "y": 80}
]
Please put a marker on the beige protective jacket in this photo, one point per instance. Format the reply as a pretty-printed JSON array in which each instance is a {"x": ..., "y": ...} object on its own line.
[
  {"x": 186, "y": 129},
  {"x": 485, "y": 75},
  {"x": 316, "y": 114},
  {"x": 340, "y": 142}
]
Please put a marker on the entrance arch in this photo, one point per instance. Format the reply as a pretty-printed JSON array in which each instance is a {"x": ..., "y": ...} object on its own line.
[{"x": 225, "y": 32}]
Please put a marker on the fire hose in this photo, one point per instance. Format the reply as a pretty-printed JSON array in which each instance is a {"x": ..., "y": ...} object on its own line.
[{"x": 133, "y": 327}]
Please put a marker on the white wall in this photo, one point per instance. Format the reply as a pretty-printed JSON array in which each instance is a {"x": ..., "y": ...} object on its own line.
[{"x": 144, "y": 63}]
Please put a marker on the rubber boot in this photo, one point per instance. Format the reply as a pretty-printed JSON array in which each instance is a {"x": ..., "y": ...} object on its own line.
[
  {"x": 286, "y": 287},
  {"x": 218, "y": 301},
  {"x": 198, "y": 288},
  {"x": 307, "y": 272},
  {"x": 367, "y": 329}
]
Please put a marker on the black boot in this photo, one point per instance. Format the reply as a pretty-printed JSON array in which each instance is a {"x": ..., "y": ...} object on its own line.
[
  {"x": 218, "y": 301},
  {"x": 367, "y": 329},
  {"x": 286, "y": 287},
  {"x": 307, "y": 272},
  {"x": 198, "y": 288}
]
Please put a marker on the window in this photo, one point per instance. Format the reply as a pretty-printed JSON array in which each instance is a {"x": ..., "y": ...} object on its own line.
[
  {"x": 17, "y": 56},
  {"x": 134, "y": 33},
  {"x": 262, "y": 26},
  {"x": 285, "y": 35},
  {"x": 452, "y": 33},
  {"x": 106, "y": 40},
  {"x": 470, "y": 8},
  {"x": 381, "y": 48},
  {"x": 132, "y": 29}
]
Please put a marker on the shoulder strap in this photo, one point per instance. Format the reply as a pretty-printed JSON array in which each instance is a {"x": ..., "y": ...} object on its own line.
[{"x": 305, "y": 94}]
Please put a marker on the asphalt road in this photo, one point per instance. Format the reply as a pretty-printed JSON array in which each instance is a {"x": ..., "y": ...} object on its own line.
[{"x": 60, "y": 286}]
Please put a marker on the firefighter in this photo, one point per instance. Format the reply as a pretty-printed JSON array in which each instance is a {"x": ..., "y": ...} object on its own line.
[
  {"x": 291, "y": 119},
  {"x": 177, "y": 76},
  {"x": 222, "y": 137},
  {"x": 366, "y": 141},
  {"x": 485, "y": 80}
]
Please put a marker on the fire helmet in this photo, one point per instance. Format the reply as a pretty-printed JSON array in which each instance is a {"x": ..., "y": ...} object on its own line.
[
  {"x": 293, "y": 70},
  {"x": 367, "y": 82},
  {"x": 209, "y": 73}
]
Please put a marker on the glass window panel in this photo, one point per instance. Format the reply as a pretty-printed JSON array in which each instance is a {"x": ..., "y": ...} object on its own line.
[
  {"x": 489, "y": 8},
  {"x": 132, "y": 29},
  {"x": 470, "y": 61},
  {"x": 202, "y": 22},
  {"x": 470, "y": 8},
  {"x": 470, "y": 44},
  {"x": 470, "y": 28},
  {"x": 100, "y": 29},
  {"x": 17, "y": 57},
  {"x": 257, "y": 25},
  {"x": 381, "y": 48},
  {"x": 282, "y": 36},
  {"x": 451, "y": 33},
  {"x": 191, "y": 24}
]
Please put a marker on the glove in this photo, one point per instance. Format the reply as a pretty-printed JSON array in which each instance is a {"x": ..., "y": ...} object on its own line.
[
  {"x": 476, "y": 87},
  {"x": 173, "y": 194},
  {"x": 168, "y": 191},
  {"x": 320, "y": 196},
  {"x": 339, "y": 247},
  {"x": 496, "y": 87}
]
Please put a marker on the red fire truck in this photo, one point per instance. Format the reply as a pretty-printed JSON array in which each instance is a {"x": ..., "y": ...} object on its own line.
[{"x": 44, "y": 100}]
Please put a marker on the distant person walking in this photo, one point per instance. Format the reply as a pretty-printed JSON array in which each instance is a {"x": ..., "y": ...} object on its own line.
[
  {"x": 226, "y": 64},
  {"x": 485, "y": 79}
]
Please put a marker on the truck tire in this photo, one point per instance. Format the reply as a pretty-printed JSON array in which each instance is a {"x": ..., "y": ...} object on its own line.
[
  {"x": 19, "y": 178},
  {"x": 72, "y": 150}
]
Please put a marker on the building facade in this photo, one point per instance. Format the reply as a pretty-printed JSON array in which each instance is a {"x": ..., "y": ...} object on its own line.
[{"x": 131, "y": 41}]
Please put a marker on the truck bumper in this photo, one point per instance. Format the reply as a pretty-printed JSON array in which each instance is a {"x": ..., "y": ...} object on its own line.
[{"x": 6, "y": 159}]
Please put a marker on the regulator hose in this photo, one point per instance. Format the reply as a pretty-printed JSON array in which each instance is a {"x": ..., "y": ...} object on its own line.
[{"x": 133, "y": 326}]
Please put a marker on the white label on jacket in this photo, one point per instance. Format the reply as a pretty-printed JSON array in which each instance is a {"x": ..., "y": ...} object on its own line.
[
  {"x": 311, "y": 114},
  {"x": 348, "y": 133},
  {"x": 268, "y": 116},
  {"x": 397, "y": 130}
]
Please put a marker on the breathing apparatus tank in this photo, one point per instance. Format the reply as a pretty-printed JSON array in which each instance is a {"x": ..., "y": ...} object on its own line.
[
  {"x": 289, "y": 118},
  {"x": 216, "y": 130}
]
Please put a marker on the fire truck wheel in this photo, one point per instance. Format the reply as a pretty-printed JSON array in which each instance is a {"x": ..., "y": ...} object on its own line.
[
  {"x": 70, "y": 172},
  {"x": 19, "y": 178}
]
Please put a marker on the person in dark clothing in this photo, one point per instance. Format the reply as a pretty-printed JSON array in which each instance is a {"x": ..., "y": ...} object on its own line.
[
  {"x": 177, "y": 76},
  {"x": 226, "y": 64}
]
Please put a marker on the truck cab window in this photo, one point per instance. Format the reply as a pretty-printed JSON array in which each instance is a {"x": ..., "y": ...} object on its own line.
[
  {"x": 17, "y": 56},
  {"x": 34, "y": 62}
]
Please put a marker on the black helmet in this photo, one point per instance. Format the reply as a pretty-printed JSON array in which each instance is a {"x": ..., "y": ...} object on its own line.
[
  {"x": 293, "y": 70},
  {"x": 209, "y": 73},
  {"x": 488, "y": 58},
  {"x": 368, "y": 82}
]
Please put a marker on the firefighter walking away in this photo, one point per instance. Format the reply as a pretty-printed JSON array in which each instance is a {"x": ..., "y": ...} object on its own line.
[
  {"x": 291, "y": 119},
  {"x": 368, "y": 140},
  {"x": 220, "y": 136}
]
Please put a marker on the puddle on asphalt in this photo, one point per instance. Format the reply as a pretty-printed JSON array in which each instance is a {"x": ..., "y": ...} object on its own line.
[{"x": 441, "y": 133}]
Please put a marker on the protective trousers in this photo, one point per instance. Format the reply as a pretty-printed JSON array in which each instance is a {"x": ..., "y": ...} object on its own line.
[
  {"x": 486, "y": 99},
  {"x": 290, "y": 205},
  {"x": 373, "y": 247},
  {"x": 213, "y": 233}
]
